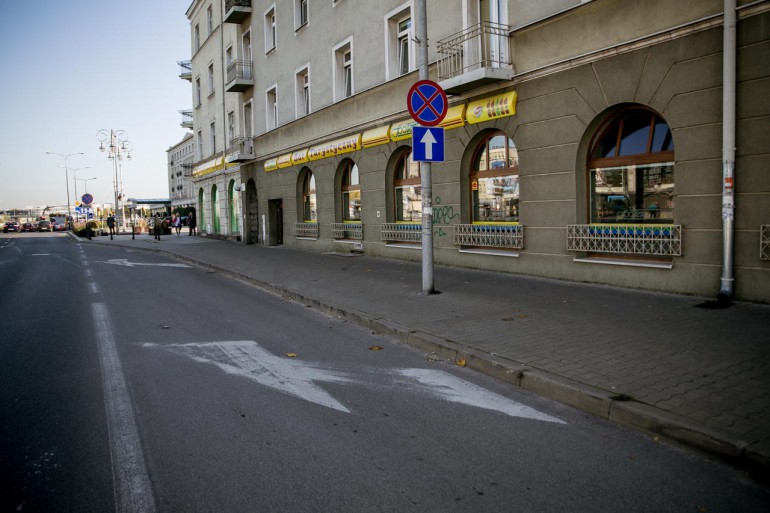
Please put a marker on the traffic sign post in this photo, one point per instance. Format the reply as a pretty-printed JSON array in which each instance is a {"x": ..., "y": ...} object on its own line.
[
  {"x": 427, "y": 103},
  {"x": 427, "y": 144}
]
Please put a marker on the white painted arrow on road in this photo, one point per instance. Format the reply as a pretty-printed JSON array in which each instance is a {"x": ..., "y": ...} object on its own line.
[
  {"x": 428, "y": 140},
  {"x": 126, "y": 263},
  {"x": 299, "y": 379}
]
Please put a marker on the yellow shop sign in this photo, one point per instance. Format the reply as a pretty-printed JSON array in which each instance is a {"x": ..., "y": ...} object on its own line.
[
  {"x": 333, "y": 148},
  {"x": 271, "y": 164},
  {"x": 491, "y": 108}
]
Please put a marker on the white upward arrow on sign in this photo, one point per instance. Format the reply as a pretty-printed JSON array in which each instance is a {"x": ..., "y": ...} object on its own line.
[{"x": 428, "y": 140}]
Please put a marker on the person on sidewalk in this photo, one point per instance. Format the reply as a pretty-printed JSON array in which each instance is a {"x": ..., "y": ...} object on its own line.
[
  {"x": 111, "y": 225},
  {"x": 157, "y": 226},
  {"x": 193, "y": 225},
  {"x": 178, "y": 224}
]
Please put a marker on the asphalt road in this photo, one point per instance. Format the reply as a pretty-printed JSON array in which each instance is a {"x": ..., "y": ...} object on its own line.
[{"x": 131, "y": 382}]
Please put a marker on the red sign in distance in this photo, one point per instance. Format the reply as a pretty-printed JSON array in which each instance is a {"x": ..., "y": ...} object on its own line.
[{"x": 427, "y": 103}]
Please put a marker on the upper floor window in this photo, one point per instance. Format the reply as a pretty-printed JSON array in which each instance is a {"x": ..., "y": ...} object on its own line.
[
  {"x": 210, "y": 19},
  {"x": 197, "y": 37},
  {"x": 303, "y": 92},
  {"x": 494, "y": 181},
  {"x": 300, "y": 13},
  {"x": 270, "y": 30},
  {"x": 197, "y": 92},
  {"x": 271, "y": 107},
  {"x": 213, "y": 137},
  {"x": 399, "y": 41},
  {"x": 631, "y": 169},
  {"x": 343, "y": 70},
  {"x": 211, "y": 78},
  {"x": 404, "y": 45}
]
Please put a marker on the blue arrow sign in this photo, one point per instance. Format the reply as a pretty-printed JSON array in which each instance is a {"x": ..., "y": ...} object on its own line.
[{"x": 427, "y": 144}]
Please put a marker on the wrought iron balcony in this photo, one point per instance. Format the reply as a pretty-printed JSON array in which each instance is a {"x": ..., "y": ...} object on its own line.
[
  {"x": 241, "y": 149},
  {"x": 240, "y": 76},
  {"x": 187, "y": 118},
  {"x": 634, "y": 239},
  {"x": 236, "y": 11},
  {"x": 499, "y": 236},
  {"x": 475, "y": 57},
  {"x": 185, "y": 71}
]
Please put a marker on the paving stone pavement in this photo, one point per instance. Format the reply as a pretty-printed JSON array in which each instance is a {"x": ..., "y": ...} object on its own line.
[{"x": 653, "y": 361}]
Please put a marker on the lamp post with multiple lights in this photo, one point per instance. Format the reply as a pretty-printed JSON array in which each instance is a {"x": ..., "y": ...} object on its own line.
[
  {"x": 117, "y": 145},
  {"x": 67, "y": 177}
]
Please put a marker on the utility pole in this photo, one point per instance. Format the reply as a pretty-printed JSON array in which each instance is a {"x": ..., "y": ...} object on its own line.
[{"x": 421, "y": 34}]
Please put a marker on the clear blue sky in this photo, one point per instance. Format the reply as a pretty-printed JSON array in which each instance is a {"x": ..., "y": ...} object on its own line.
[{"x": 70, "y": 68}]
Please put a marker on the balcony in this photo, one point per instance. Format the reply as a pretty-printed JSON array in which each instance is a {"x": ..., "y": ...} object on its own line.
[
  {"x": 477, "y": 56},
  {"x": 185, "y": 70},
  {"x": 187, "y": 118},
  {"x": 241, "y": 150},
  {"x": 240, "y": 76},
  {"x": 627, "y": 239},
  {"x": 187, "y": 169},
  {"x": 236, "y": 11}
]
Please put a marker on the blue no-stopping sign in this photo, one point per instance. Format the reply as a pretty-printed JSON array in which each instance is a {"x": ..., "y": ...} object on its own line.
[{"x": 427, "y": 103}]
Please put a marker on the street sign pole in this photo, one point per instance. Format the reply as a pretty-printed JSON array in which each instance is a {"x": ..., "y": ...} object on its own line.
[{"x": 421, "y": 34}]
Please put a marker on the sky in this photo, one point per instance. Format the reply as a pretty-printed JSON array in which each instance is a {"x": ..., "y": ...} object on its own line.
[{"x": 71, "y": 68}]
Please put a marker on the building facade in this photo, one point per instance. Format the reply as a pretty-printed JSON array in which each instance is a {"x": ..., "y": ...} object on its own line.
[
  {"x": 584, "y": 140},
  {"x": 181, "y": 159}
]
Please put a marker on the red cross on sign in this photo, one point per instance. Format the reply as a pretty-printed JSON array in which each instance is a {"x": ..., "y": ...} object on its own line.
[{"x": 427, "y": 103}]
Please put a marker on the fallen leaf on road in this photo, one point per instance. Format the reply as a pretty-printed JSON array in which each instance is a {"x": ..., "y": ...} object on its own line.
[
  {"x": 375, "y": 348},
  {"x": 461, "y": 362},
  {"x": 292, "y": 355}
]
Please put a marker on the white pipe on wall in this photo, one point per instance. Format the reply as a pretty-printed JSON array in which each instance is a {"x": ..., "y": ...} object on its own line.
[{"x": 728, "y": 150}]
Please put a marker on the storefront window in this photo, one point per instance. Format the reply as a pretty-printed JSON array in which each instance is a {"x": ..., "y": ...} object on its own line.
[
  {"x": 631, "y": 171},
  {"x": 351, "y": 193},
  {"x": 309, "y": 199},
  {"x": 408, "y": 192},
  {"x": 495, "y": 181}
]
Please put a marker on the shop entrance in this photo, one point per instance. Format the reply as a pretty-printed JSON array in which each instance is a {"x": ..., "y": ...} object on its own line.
[
  {"x": 252, "y": 230},
  {"x": 275, "y": 222}
]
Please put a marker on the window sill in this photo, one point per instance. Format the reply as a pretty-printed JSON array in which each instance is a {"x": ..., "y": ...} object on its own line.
[
  {"x": 624, "y": 262},
  {"x": 495, "y": 252},
  {"x": 403, "y": 245}
]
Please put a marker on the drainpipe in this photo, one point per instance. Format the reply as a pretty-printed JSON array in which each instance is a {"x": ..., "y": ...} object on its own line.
[{"x": 728, "y": 151}]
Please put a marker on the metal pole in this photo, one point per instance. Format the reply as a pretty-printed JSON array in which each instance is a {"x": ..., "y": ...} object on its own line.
[
  {"x": 421, "y": 34},
  {"x": 728, "y": 150}
]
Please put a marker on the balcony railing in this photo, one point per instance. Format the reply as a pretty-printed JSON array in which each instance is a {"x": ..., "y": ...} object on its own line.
[
  {"x": 401, "y": 232},
  {"x": 352, "y": 231},
  {"x": 306, "y": 230},
  {"x": 240, "y": 76},
  {"x": 477, "y": 56},
  {"x": 764, "y": 242},
  {"x": 185, "y": 70},
  {"x": 241, "y": 149},
  {"x": 237, "y": 10},
  {"x": 489, "y": 236},
  {"x": 656, "y": 240},
  {"x": 187, "y": 118}
]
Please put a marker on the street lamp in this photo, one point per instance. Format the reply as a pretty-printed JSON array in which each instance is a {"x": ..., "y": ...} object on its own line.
[
  {"x": 85, "y": 182},
  {"x": 66, "y": 176},
  {"x": 117, "y": 145}
]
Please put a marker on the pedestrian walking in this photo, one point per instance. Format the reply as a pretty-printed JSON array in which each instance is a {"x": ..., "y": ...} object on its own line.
[
  {"x": 178, "y": 224},
  {"x": 157, "y": 226},
  {"x": 111, "y": 225},
  {"x": 193, "y": 225}
]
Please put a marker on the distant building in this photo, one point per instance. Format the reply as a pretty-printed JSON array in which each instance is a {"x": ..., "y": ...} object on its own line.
[
  {"x": 583, "y": 140},
  {"x": 181, "y": 158}
]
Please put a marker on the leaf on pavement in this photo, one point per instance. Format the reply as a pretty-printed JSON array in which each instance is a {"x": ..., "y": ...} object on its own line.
[
  {"x": 461, "y": 362},
  {"x": 375, "y": 348},
  {"x": 292, "y": 355}
]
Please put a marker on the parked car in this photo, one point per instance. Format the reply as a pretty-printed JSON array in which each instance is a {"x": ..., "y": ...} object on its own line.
[
  {"x": 44, "y": 226},
  {"x": 11, "y": 226},
  {"x": 27, "y": 227}
]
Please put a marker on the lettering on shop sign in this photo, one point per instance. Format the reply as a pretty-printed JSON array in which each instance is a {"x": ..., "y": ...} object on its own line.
[{"x": 443, "y": 214}]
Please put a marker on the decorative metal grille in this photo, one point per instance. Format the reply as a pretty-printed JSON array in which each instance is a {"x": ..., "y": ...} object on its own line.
[
  {"x": 663, "y": 240},
  {"x": 347, "y": 231},
  {"x": 764, "y": 242},
  {"x": 401, "y": 232},
  {"x": 490, "y": 235},
  {"x": 484, "y": 45},
  {"x": 241, "y": 146},
  {"x": 309, "y": 230},
  {"x": 239, "y": 70}
]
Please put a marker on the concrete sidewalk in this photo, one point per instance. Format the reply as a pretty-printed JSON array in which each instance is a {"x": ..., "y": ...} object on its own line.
[{"x": 652, "y": 361}]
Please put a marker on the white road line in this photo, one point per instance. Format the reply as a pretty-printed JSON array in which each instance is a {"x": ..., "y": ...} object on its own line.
[
  {"x": 133, "y": 490},
  {"x": 93, "y": 288}
]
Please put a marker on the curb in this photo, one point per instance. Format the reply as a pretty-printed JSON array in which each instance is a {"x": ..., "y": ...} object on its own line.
[{"x": 754, "y": 458}]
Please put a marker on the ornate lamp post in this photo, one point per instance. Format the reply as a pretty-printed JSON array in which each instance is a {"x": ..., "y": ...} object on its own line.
[
  {"x": 117, "y": 145},
  {"x": 67, "y": 177}
]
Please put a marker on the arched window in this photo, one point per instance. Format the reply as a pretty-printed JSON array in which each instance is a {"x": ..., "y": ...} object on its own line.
[
  {"x": 408, "y": 192},
  {"x": 494, "y": 178},
  {"x": 351, "y": 192},
  {"x": 215, "y": 209},
  {"x": 309, "y": 206},
  {"x": 201, "y": 209},
  {"x": 232, "y": 207},
  {"x": 631, "y": 169}
]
